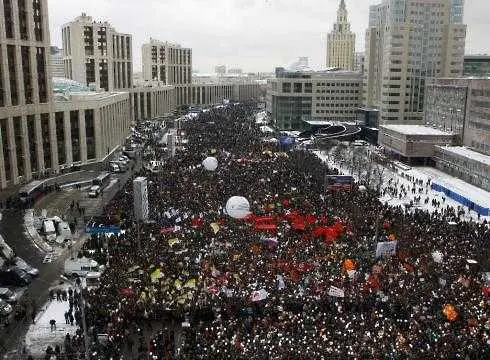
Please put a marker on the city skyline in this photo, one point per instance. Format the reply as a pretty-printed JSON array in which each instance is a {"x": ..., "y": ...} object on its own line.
[{"x": 232, "y": 41}]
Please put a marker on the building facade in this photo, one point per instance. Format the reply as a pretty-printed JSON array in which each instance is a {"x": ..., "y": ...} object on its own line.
[
  {"x": 294, "y": 97},
  {"x": 95, "y": 54},
  {"x": 341, "y": 42},
  {"x": 477, "y": 124},
  {"x": 445, "y": 105},
  {"x": 25, "y": 90},
  {"x": 409, "y": 42},
  {"x": 170, "y": 64},
  {"x": 476, "y": 65},
  {"x": 411, "y": 142},
  {"x": 152, "y": 102},
  {"x": 42, "y": 134},
  {"x": 56, "y": 64},
  {"x": 465, "y": 164}
]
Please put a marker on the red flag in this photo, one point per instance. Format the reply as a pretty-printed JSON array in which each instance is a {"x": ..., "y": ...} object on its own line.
[
  {"x": 197, "y": 222},
  {"x": 310, "y": 219},
  {"x": 372, "y": 282},
  {"x": 127, "y": 292}
]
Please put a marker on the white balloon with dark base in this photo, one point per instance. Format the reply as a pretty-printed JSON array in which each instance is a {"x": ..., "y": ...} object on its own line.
[
  {"x": 210, "y": 163},
  {"x": 238, "y": 207}
]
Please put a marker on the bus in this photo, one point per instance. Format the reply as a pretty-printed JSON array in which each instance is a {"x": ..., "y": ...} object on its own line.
[
  {"x": 32, "y": 191},
  {"x": 102, "y": 180},
  {"x": 340, "y": 182}
]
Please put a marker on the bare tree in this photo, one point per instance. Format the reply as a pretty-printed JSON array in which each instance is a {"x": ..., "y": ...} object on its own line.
[{"x": 379, "y": 172}]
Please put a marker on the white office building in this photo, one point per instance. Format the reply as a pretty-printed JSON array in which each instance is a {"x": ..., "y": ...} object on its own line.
[
  {"x": 97, "y": 55},
  {"x": 408, "y": 43}
]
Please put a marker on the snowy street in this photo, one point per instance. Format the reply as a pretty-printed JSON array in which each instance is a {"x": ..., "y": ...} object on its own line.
[{"x": 392, "y": 183}]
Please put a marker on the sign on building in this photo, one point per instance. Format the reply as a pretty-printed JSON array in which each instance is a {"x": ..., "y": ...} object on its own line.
[{"x": 140, "y": 193}]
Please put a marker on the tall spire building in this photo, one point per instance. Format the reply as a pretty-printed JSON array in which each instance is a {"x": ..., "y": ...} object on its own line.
[{"x": 341, "y": 42}]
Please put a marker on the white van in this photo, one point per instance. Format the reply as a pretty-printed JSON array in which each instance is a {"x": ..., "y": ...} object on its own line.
[
  {"x": 48, "y": 230},
  {"x": 64, "y": 231},
  {"x": 81, "y": 267}
]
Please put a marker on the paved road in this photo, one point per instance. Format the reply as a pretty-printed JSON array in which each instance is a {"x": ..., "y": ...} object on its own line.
[{"x": 12, "y": 230}]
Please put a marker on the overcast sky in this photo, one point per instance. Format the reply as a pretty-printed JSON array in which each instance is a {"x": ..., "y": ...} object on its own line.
[{"x": 255, "y": 35}]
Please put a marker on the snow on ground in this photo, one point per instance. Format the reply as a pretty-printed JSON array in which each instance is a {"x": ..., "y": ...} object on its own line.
[
  {"x": 39, "y": 336},
  {"x": 424, "y": 174}
]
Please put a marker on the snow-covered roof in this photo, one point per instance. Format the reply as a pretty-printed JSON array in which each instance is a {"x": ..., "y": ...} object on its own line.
[
  {"x": 415, "y": 130},
  {"x": 467, "y": 153}
]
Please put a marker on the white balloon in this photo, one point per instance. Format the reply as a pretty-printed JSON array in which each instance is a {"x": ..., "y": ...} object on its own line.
[
  {"x": 238, "y": 207},
  {"x": 210, "y": 163},
  {"x": 362, "y": 188}
]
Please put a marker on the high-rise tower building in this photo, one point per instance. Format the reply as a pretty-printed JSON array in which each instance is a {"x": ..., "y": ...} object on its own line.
[
  {"x": 341, "y": 42},
  {"x": 94, "y": 53},
  {"x": 409, "y": 42},
  {"x": 25, "y": 89}
]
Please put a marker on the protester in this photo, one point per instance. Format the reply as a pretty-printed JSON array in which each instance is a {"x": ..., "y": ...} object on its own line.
[{"x": 297, "y": 279}]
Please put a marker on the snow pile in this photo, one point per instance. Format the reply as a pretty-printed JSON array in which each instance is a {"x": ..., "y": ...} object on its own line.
[{"x": 39, "y": 336}]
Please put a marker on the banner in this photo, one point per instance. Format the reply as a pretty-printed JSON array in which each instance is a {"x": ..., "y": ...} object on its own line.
[
  {"x": 386, "y": 248},
  {"x": 259, "y": 295},
  {"x": 336, "y": 292}
]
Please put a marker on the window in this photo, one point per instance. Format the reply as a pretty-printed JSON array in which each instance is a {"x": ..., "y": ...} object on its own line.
[
  {"x": 26, "y": 73},
  {"x": 286, "y": 87},
  {"x": 75, "y": 135},
  {"x": 60, "y": 137},
  {"x": 24, "y": 34},
  {"x": 31, "y": 135},
  {"x": 11, "y": 59},
  {"x": 19, "y": 139},
  {"x": 298, "y": 87},
  {"x": 46, "y": 140},
  {"x": 41, "y": 74},
  {"x": 9, "y": 22},
  {"x": 2, "y": 91},
  {"x": 38, "y": 26},
  {"x": 308, "y": 88},
  {"x": 90, "y": 133},
  {"x": 5, "y": 147}
]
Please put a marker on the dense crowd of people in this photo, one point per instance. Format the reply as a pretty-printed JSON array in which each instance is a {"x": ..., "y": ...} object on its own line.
[{"x": 298, "y": 278}]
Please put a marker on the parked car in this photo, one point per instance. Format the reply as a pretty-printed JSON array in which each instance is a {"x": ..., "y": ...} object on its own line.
[
  {"x": 94, "y": 191},
  {"x": 15, "y": 277},
  {"x": 21, "y": 264},
  {"x": 8, "y": 295}
]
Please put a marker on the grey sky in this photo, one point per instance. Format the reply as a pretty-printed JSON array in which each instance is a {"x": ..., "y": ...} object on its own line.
[{"x": 255, "y": 35}]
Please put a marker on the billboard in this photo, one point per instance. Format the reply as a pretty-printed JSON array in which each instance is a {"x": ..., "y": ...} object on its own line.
[{"x": 140, "y": 194}]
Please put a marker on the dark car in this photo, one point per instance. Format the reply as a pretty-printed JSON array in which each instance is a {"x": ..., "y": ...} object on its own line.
[{"x": 15, "y": 277}]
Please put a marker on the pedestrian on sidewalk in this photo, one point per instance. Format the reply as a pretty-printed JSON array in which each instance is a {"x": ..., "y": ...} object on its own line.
[
  {"x": 67, "y": 318},
  {"x": 52, "y": 322}
]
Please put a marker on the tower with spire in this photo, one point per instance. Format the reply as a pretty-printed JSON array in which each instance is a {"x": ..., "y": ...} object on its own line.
[{"x": 341, "y": 42}]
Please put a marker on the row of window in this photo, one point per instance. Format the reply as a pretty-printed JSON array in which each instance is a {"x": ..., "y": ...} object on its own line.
[
  {"x": 345, "y": 112},
  {"x": 44, "y": 139}
]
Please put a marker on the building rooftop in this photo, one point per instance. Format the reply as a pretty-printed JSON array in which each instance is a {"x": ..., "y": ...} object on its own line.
[
  {"x": 415, "y": 130},
  {"x": 467, "y": 153},
  {"x": 64, "y": 85}
]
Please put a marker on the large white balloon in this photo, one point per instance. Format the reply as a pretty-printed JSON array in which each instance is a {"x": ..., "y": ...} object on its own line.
[
  {"x": 210, "y": 163},
  {"x": 238, "y": 207}
]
